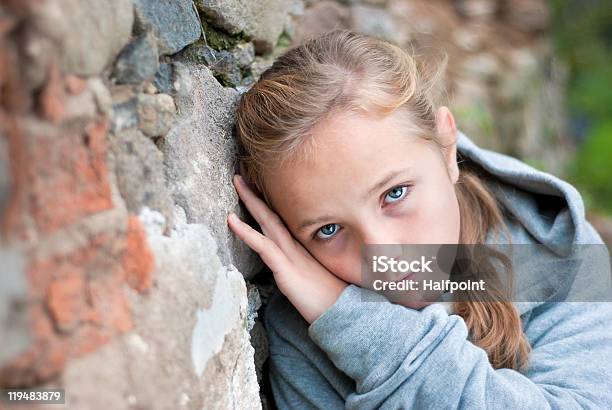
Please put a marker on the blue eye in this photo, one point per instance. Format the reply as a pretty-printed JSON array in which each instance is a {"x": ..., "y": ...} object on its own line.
[
  {"x": 327, "y": 230},
  {"x": 397, "y": 193}
]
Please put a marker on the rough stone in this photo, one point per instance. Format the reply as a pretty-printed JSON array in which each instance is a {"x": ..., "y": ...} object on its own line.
[
  {"x": 467, "y": 39},
  {"x": 261, "y": 64},
  {"x": 156, "y": 114},
  {"x": 262, "y": 21},
  {"x": 202, "y": 360},
  {"x": 528, "y": 15},
  {"x": 377, "y": 22},
  {"x": 174, "y": 23},
  {"x": 254, "y": 303},
  {"x": 223, "y": 64},
  {"x": 102, "y": 95},
  {"x": 124, "y": 113},
  {"x": 137, "y": 62},
  {"x": 153, "y": 114},
  {"x": 82, "y": 107},
  {"x": 13, "y": 312},
  {"x": 200, "y": 160},
  {"x": 140, "y": 176},
  {"x": 482, "y": 9},
  {"x": 483, "y": 65},
  {"x": 244, "y": 53},
  {"x": 321, "y": 17},
  {"x": 92, "y": 32},
  {"x": 164, "y": 78}
]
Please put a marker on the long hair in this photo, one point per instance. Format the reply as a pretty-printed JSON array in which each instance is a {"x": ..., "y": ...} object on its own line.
[{"x": 343, "y": 71}]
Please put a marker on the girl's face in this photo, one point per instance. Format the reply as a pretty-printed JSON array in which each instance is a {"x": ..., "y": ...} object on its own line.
[{"x": 368, "y": 183}]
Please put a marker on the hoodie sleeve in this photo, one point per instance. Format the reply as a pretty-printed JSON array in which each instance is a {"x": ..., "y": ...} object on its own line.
[
  {"x": 405, "y": 358},
  {"x": 301, "y": 375}
]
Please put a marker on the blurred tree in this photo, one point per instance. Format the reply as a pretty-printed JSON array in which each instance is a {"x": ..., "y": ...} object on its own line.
[{"x": 582, "y": 34}]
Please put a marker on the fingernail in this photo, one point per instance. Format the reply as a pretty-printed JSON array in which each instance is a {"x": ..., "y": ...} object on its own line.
[{"x": 237, "y": 179}]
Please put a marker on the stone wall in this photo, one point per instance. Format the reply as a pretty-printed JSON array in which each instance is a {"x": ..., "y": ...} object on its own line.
[{"x": 120, "y": 280}]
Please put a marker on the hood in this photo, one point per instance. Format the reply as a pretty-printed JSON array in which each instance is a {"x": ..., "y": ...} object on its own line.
[
  {"x": 551, "y": 210},
  {"x": 546, "y": 211}
]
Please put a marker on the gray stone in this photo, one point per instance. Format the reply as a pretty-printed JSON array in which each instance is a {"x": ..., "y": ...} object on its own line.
[
  {"x": 253, "y": 305},
  {"x": 153, "y": 114},
  {"x": 92, "y": 32},
  {"x": 483, "y": 65},
  {"x": 137, "y": 62},
  {"x": 199, "y": 52},
  {"x": 164, "y": 78},
  {"x": 246, "y": 83},
  {"x": 156, "y": 114},
  {"x": 529, "y": 15},
  {"x": 223, "y": 64},
  {"x": 139, "y": 168},
  {"x": 102, "y": 95},
  {"x": 14, "y": 320},
  {"x": 321, "y": 17},
  {"x": 377, "y": 22},
  {"x": 467, "y": 39},
  {"x": 481, "y": 9},
  {"x": 124, "y": 114},
  {"x": 200, "y": 158},
  {"x": 262, "y": 21},
  {"x": 261, "y": 64},
  {"x": 244, "y": 53},
  {"x": 174, "y": 23}
]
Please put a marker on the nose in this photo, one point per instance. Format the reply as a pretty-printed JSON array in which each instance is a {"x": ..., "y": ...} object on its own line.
[
  {"x": 378, "y": 241},
  {"x": 375, "y": 233}
]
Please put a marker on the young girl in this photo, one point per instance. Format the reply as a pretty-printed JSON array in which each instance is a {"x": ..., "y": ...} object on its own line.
[{"x": 342, "y": 146}]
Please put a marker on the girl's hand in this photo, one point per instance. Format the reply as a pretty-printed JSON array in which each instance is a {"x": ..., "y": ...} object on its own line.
[{"x": 308, "y": 285}]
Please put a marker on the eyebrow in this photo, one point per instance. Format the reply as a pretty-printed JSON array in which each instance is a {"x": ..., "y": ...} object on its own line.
[{"x": 312, "y": 221}]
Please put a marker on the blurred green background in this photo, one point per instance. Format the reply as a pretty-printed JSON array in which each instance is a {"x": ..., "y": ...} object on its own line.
[{"x": 582, "y": 37}]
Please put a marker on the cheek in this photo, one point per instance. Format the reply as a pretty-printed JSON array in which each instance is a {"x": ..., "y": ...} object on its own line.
[
  {"x": 439, "y": 216},
  {"x": 346, "y": 265}
]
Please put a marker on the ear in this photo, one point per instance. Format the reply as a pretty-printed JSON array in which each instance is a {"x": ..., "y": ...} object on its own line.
[{"x": 447, "y": 132}]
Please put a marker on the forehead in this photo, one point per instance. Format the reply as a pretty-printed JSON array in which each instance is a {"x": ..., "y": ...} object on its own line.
[
  {"x": 347, "y": 154},
  {"x": 355, "y": 143}
]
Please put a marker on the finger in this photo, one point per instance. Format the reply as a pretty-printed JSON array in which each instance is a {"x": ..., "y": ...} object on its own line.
[
  {"x": 271, "y": 224},
  {"x": 269, "y": 252}
]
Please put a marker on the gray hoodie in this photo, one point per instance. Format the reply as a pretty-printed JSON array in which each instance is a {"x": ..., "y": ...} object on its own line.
[{"x": 364, "y": 355}]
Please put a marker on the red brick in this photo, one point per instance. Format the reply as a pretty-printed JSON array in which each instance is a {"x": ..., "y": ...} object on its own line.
[
  {"x": 138, "y": 262},
  {"x": 66, "y": 301},
  {"x": 69, "y": 177},
  {"x": 81, "y": 292}
]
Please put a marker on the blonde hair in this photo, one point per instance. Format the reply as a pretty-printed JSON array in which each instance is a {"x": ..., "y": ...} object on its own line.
[{"x": 342, "y": 71}]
